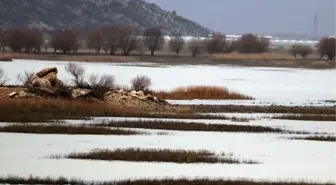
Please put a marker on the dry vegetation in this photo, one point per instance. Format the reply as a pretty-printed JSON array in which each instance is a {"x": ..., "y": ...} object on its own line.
[
  {"x": 201, "y": 92},
  {"x": 65, "y": 129},
  {"x": 307, "y": 117},
  {"x": 317, "y": 138},
  {"x": 252, "y": 56},
  {"x": 264, "y": 109},
  {"x": 183, "y": 126},
  {"x": 204, "y": 181},
  {"x": 156, "y": 155},
  {"x": 42, "y": 110}
]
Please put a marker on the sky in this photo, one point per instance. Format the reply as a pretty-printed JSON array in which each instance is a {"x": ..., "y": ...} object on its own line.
[{"x": 266, "y": 17}]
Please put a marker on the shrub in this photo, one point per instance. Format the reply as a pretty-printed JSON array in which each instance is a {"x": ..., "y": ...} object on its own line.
[
  {"x": 3, "y": 78},
  {"x": 77, "y": 72},
  {"x": 327, "y": 47},
  {"x": 302, "y": 50},
  {"x": 153, "y": 39},
  {"x": 201, "y": 92},
  {"x": 141, "y": 83},
  {"x": 250, "y": 43},
  {"x": 26, "y": 79}
]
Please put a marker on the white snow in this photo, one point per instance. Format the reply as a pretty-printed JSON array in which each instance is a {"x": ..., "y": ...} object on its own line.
[
  {"x": 267, "y": 84},
  {"x": 25, "y": 154}
]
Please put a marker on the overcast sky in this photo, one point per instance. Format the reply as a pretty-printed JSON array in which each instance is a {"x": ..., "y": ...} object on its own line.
[{"x": 258, "y": 16}]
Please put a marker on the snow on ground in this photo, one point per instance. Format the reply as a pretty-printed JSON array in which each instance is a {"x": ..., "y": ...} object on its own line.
[
  {"x": 270, "y": 84},
  {"x": 25, "y": 154},
  {"x": 291, "y": 103}
]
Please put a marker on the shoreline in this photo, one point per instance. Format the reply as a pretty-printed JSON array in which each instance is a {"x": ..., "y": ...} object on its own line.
[{"x": 248, "y": 61}]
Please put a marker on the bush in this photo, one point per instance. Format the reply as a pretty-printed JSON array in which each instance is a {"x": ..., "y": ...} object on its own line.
[
  {"x": 26, "y": 79},
  {"x": 77, "y": 72},
  {"x": 141, "y": 83},
  {"x": 250, "y": 43},
  {"x": 3, "y": 78},
  {"x": 327, "y": 47},
  {"x": 302, "y": 50}
]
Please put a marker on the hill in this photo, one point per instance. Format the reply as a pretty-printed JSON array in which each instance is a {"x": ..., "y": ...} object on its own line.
[{"x": 54, "y": 14}]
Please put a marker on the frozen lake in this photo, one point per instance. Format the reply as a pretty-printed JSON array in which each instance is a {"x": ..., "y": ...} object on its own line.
[
  {"x": 267, "y": 84},
  {"x": 280, "y": 157}
]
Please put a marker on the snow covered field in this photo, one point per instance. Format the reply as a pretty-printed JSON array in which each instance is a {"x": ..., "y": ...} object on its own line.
[
  {"x": 265, "y": 84},
  {"x": 281, "y": 158}
]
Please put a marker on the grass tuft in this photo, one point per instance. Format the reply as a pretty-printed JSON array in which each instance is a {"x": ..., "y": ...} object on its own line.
[
  {"x": 201, "y": 92},
  {"x": 158, "y": 155},
  {"x": 65, "y": 129},
  {"x": 183, "y": 126}
]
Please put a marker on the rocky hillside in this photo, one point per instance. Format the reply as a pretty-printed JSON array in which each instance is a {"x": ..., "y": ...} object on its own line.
[{"x": 51, "y": 14}]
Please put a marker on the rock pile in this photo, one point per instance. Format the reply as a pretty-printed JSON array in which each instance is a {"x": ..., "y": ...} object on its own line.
[{"x": 46, "y": 84}]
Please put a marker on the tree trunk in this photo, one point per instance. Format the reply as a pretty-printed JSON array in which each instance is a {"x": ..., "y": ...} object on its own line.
[{"x": 152, "y": 52}]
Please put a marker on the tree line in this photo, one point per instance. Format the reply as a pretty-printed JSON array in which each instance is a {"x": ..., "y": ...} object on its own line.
[{"x": 126, "y": 39}]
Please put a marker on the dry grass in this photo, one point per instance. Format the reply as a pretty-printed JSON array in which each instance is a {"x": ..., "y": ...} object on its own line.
[
  {"x": 77, "y": 57},
  {"x": 263, "y": 109},
  {"x": 201, "y": 92},
  {"x": 317, "y": 138},
  {"x": 183, "y": 126},
  {"x": 158, "y": 155},
  {"x": 6, "y": 58},
  {"x": 253, "y": 56},
  {"x": 65, "y": 129},
  {"x": 204, "y": 181},
  {"x": 43, "y": 110},
  {"x": 307, "y": 117}
]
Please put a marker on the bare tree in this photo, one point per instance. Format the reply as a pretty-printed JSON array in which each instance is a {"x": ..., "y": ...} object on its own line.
[
  {"x": 153, "y": 39},
  {"x": 65, "y": 40},
  {"x": 249, "y": 43},
  {"x": 95, "y": 39},
  {"x": 111, "y": 36},
  {"x": 216, "y": 44},
  {"x": 326, "y": 46},
  {"x": 26, "y": 79},
  {"x": 196, "y": 47},
  {"x": 141, "y": 83},
  {"x": 128, "y": 39},
  {"x": 77, "y": 72},
  {"x": 176, "y": 43}
]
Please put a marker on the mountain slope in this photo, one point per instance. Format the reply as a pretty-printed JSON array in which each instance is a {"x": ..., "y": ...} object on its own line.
[{"x": 53, "y": 14}]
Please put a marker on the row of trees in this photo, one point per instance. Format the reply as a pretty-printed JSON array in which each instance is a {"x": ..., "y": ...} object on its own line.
[{"x": 126, "y": 39}]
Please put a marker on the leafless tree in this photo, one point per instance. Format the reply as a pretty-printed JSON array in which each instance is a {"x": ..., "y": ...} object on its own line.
[
  {"x": 326, "y": 46},
  {"x": 176, "y": 43},
  {"x": 153, "y": 39},
  {"x": 111, "y": 36},
  {"x": 196, "y": 47},
  {"x": 95, "y": 39},
  {"x": 129, "y": 40},
  {"x": 141, "y": 83},
  {"x": 77, "y": 72},
  {"x": 65, "y": 40},
  {"x": 216, "y": 44},
  {"x": 249, "y": 43}
]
